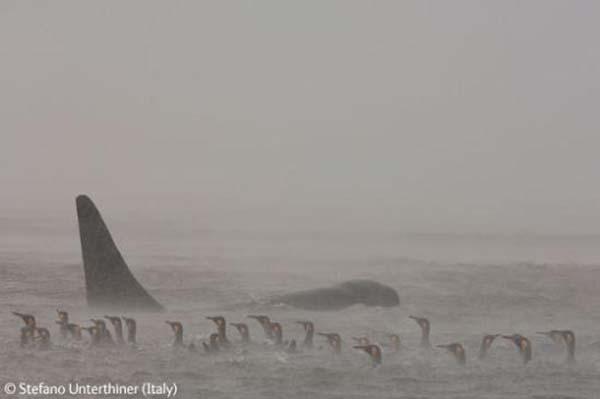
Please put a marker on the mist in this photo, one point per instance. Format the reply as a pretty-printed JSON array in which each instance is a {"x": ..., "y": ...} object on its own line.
[
  {"x": 357, "y": 165},
  {"x": 436, "y": 117}
]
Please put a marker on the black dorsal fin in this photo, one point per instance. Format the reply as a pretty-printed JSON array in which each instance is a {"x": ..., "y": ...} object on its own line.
[{"x": 108, "y": 280}]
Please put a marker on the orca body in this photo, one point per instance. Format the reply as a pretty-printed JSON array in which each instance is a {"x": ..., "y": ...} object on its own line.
[
  {"x": 366, "y": 292},
  {"x": 111, "y": 285}
]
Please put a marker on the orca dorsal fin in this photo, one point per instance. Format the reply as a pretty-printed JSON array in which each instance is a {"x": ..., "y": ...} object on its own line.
[{"x": 108, "y": 280}]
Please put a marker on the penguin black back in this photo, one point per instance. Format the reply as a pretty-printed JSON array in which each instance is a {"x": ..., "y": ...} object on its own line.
[
  {"x": 75, "y": 331},
  {"x": 277, "y": 333},
  {"x": 486, "y": 344},
  {"x": 63, "y": 322},
  {"x": 425, "y": 330},
  {"x": 177, "y": 328},
  {"x": 395, "y": 341},
  {"x": 566, "y": 337},
  {"x": 265, "y": 323},
  {"x": 221, "y": 329},
  {"x": 334, "y": 340},
  {"x": 457, "y": 350},
  {"x": 374, "y": 352},
  {"x": 309, "y": 329},
  {"x": 118, "y": 326},
  {"x": 569, "y": 338},
  {"x": 131, "y": 325},
  {"x": 523, "y": 345}
]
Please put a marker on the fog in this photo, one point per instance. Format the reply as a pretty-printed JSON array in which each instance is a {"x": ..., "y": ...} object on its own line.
[
  {"x": 413, "y": 116},
  {"x": 243, "y": 150}
]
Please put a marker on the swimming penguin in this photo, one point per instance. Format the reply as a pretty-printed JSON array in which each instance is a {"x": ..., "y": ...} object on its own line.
[
  {"x": 395, "y": 341},
  {"x": 265, "y": 322},
  {"x": 213, "y": 345},
  {"x": 104, "y": 335},
  {"x": 569, "y": 337},
  {"x": 100, "y": 324},
  {"x": 243, "y": 330},
  {"x": 457, "y": 350},
  {"x": 221, "y": 329},
  {"x": 63, "y": 322},
  {"x": 563, "y": 336},
  {"x": 75, "y": 331},
  {"x": 26, "y": 336},
  {"x": 309, "y": 329},
  {"x": 334, "y": 340},
  {"x": 523, "y": 345},
  {"x": 374, "y": 352},
  {"x": 94, "y": 335},
  {"x": 43, "y": 336},
  {"x": 277, "y": 333},
  {"x": 28, "y": 319},
  {"x": 362, "y": 341},
  {"x": 118, "y": 326},
  {"x": 425, "y": 330},
  {"x": 177, "y": 328},
  {"x": 486, "y": 344},
  {"x": 131, "y": 329}
]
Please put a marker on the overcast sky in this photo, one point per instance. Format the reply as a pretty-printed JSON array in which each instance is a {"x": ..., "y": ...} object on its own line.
[{"x": 462, "y": 116}]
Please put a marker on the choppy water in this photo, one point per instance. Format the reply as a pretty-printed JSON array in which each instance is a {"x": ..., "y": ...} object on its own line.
[{"x": 465, "y": 286}]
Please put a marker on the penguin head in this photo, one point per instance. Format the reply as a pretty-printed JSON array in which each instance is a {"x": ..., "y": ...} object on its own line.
[
  {"x": 115, "y": 321},
  {"x": 422, "y": 322},
  {"x": 517, "y": 339},
  {"x": 28, "y": 319},
  {"x": 307, "y": 325},
  {"x": 373, "y": 350},
  {"x": 62, "y": 316},
  {"x": 488, "y": 339},
  {"x": 175, "y": 326},
  {"x": 241, "y": 327},
  {"x": 568, "y": 336},
  {"x": 218, "y": 320},
  {"x": 99, "y": 323},
  {"x": 333, "y": 339}
]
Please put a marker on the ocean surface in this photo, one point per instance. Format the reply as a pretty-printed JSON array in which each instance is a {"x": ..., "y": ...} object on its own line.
[{"x": 466, "y": 285}]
